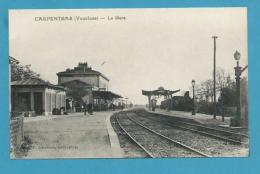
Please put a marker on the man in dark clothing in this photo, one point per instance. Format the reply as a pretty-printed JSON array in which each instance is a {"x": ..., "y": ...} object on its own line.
[
  {"x": 85, "y": 109},
  {"x": 113, "y": 106},
  {"x": 90, "y": 110}
]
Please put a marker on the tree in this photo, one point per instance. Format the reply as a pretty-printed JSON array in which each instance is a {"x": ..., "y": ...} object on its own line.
[
  {"x": 223, "y": 79},
  {"x": 229, "y": 82},
  {"x": 204, "y": 90},
  {"x": 225, "y": 87},
  {"x": 19, "y": 72},
  {"x": 220, "y": 78},
  {"x": 228, "y": 96}
]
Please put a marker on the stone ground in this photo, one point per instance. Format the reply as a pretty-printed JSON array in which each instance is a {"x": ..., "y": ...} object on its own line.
[
  {"x": 210, "y": 146},
  {"x": 202, "y": 118},
  {"x": 72, "y": 136}
]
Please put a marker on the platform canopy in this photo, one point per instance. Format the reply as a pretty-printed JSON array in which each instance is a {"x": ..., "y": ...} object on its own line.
[
  {"x": 107, "y": 95},
  {"x": 159, "y": 91}
]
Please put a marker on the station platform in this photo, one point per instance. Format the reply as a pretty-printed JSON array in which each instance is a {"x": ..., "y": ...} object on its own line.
[
  {"x": 43, "y": 117},
  {"x": 72, "y": 136},
  {"x": 201, "y": 118}
]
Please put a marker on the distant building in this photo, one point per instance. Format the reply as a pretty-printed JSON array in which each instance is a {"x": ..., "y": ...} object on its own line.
[
  {"x": 36, "y": 97},
  {"x": 85, "y": 74},
  {"x": 85, "y": 86}
]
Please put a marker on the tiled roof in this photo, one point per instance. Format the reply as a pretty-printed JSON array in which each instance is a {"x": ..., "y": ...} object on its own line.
[
  {"x": 75, "y": 81},
  {"x": 34, "y": 82},
  {"x": 105, "y": 95},
  {"x": 81, "y": 69},
  {"x": 30, "y": 81}
]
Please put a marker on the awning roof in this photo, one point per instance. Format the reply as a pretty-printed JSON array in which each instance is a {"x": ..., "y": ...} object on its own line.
[
  {"x": 159, "y": 92},
  {"x": 107, "y": 95}
]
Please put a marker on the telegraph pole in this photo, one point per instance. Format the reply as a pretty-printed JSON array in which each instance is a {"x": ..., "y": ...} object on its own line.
[
  {"x": 193, "y": 99},
  {"x": 214, "y": 78}
]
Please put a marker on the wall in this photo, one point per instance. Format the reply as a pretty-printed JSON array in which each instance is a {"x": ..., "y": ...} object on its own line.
[
  {"x": 15, "y": 101},
  {"x": 51, "y": 98},
  {"x": 16, "y": 134},
  {"x": 90, "y": 79},
  {"x": 103, "y": 83},
  {"x": 54, "y": 99}
]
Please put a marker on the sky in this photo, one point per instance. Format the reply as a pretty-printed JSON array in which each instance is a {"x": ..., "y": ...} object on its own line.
[{"x": 144, "y": 49}]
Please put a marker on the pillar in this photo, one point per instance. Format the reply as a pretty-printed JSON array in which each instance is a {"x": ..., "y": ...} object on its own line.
[
  {"x": 32, "y": 101},
  {"x": 171, "y": 102},
  {"x": 149, "y": 102},
  {"x": 51, "y": 96},
  {"x": 238, "y": 102},
  {"x": 44, "y": 102}
]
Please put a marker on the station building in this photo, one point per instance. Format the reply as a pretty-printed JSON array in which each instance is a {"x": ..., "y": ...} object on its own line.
[
  {"x": 86, "y": 74},
  {"x": 86, "y": 85},
  {"x": 35, "y": 96}
]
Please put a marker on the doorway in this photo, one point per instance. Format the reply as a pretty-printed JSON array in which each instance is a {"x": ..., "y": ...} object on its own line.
[{"x": 38, "y": 103}]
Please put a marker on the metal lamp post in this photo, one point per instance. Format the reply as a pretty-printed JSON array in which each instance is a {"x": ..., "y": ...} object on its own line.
[
  {"x": 193, "y": 108},
  {"x": 238, "y": 71}
]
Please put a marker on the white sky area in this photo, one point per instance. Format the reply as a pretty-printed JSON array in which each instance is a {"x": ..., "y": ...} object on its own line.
[{"x": 151, "y": 48}]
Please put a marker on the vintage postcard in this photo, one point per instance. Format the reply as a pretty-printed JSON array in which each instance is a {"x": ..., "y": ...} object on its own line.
[{"x": 128, "y": 83}]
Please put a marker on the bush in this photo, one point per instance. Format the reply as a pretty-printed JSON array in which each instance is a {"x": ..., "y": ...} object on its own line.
[{"x": 55, "y": 111}]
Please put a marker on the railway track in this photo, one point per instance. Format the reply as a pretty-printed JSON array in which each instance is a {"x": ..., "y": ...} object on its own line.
[
  {"x": 225, "y": 135},
  {"x": 153, "y": 143}
]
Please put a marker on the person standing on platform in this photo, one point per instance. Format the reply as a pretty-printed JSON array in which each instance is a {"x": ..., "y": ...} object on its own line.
[
  {"x": 90, "y": 108},
  {"x": 113, "y": 106},
  {"x": 85, "y": 108}
]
